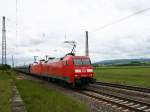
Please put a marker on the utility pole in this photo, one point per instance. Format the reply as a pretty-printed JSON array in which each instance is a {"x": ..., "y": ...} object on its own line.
[
  {"x": 4, "y": 60},
  {"x": 12, "y": 61},
  {"x": 86, "y": 44}
]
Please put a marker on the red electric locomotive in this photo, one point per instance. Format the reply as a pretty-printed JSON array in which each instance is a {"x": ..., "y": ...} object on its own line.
[{"x": 75, "y": 70}]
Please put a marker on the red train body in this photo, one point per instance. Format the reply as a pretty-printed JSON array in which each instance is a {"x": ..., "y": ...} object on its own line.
[{"x": 75, "y": 70}]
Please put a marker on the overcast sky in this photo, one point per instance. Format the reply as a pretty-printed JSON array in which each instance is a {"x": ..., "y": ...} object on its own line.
[{"x": 43, "y": 26}]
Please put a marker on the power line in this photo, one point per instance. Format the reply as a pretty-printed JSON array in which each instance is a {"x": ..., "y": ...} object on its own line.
[
  {"x": 121, "y": 19},
  {"x": 16, "y": 18}
]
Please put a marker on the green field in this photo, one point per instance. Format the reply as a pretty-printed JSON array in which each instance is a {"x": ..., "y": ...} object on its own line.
[
  {"x": 137, "y": 76},
  {"x": 5, "y": 91}
]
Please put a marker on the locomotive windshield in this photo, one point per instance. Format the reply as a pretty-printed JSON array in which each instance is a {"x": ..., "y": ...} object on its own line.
[
  {"x": 81, "y": 62},
  {"x": 86, "y": 62}
]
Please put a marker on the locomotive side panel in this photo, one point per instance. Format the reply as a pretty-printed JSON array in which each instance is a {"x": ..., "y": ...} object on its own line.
[
  {"x": 43, "y": 68},
  {"x": 55, "y": 69},
  {"x": 68, "y": 70}
]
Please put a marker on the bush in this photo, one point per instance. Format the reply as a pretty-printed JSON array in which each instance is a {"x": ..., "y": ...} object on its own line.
[{"x": 5, "y": 67}]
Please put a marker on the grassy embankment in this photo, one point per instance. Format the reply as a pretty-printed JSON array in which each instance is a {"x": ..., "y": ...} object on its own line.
[
  {"x": 39, "y": 98},
  {"x": 5, "y": 91},
  {"x": 137, "y": 76}
]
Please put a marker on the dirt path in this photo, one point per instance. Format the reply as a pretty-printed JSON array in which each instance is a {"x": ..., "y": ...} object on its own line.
[{"x": 17, "y": 102}]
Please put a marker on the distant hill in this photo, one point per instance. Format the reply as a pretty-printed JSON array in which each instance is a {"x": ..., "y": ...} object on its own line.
[{"x": 123, "y": 62}]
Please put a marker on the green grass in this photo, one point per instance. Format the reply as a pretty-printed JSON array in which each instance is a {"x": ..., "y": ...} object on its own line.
[
  {"x": 39, "y": 98},
  {"x": 5, "y": 91},
  {"x": 137, "y": 76}
]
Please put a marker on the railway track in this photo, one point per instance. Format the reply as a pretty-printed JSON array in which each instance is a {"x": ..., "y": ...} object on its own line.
[
  {"x": 139, "y": 89},
  {"x": 124, "y": 104},
  {"x": 136, "y": 95},
  {"x": 121, "y": 103}
]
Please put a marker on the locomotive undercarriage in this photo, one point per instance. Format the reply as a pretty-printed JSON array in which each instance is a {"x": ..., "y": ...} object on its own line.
[{"x": 84, "y": 81}]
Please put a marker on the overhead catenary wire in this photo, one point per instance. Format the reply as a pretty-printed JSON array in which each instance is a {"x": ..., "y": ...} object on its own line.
[
  {"x": 16, "y": 18},
  {"x": 120, "y": 20}
]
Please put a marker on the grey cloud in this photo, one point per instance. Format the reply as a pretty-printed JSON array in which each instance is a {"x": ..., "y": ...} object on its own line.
[
  {"x": 42, "y": 30},
  {"x": 128, "y": 47},
  {"x": 131, "y": 5}
]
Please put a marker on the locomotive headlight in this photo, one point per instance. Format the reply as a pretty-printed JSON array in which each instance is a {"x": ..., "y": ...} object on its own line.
[
  {"x": 76, "y": 75},
  {"x": 89, "y": 70},
  {"x": 77, "y": 70}
]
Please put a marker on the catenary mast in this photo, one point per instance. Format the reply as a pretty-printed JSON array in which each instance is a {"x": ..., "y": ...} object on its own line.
[{"x": 4, "y": 59}]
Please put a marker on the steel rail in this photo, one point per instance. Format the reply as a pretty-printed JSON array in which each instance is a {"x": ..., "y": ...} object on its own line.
[
  {"x": 110, "y": 101},
  {"x": 134, "y": 88},
  {"x": 123, "y": 98}
]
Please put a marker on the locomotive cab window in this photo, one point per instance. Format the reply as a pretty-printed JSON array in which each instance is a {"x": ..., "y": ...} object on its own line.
[
  {"x": 86, "y": 62},
  {"x": 81, "y": 62},
  {"x": 77, "y": 62},
  {"x": 65, "y": 63}
]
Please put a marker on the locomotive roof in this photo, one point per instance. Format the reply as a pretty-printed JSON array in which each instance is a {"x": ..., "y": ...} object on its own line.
[
  {"x": 70, "y": 56},
  {"x": 80, "y": 57}
]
